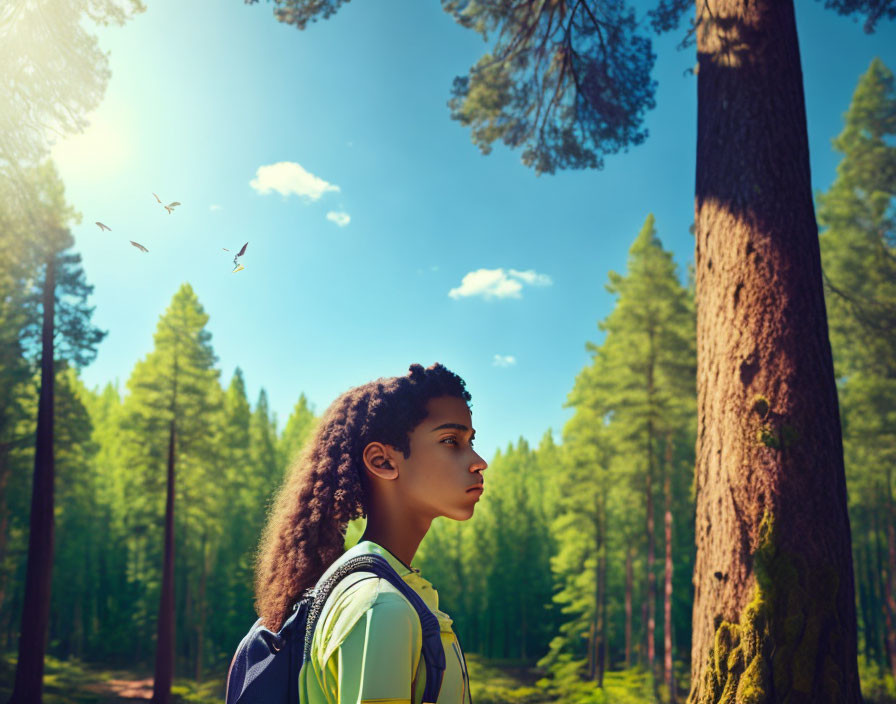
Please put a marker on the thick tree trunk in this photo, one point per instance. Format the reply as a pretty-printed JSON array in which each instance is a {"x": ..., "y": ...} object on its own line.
[
  {"x": 629, "y": 579},
  {"x": 774, "y": 605},
  {"x": 668, "y": 671},
  {"x": 28, "y": 686},
  {"x": 164, "y": 667}
]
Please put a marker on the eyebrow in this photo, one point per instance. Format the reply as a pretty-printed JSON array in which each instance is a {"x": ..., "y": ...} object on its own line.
[{"x": 453, "y": 426}]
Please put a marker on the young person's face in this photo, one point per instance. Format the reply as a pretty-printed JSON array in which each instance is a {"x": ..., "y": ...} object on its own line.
[{"x": 438, "y": 476}]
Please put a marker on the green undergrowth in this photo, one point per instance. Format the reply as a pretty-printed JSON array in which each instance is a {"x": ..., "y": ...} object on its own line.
[{"x": 492, "y": 681}]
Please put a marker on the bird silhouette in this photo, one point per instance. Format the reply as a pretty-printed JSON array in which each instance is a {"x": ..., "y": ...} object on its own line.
[
  {"x": 139, "y": 246},
  {"x": 170, "y": 207},
  {"x": 103, "y": 227},
  {"x": 236, "y": 264}
]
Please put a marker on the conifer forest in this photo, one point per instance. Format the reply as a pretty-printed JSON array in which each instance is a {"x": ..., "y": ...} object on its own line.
[{"x": 715, "y": 521}]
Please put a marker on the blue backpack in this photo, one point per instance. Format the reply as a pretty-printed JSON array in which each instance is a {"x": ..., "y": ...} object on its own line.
[{"x": 265, "y": 667}]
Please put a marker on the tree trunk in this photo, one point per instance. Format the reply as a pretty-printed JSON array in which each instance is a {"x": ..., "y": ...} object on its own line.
[
  {"x": 594, "y": 635},
  {"x": 28, "y": 686},
  {"x": 628, "y": 608},
  {"x": 878, "y": 585},
  {"x": 774, "y": 606},
  {"x": 4, "y": 518},
  {"x": 164, "y": 667},
  {"x": 602, "y": 601},
  {"x": 872, "y": 635},
  {"x": 200, "y": 630},
  {"x": 592, "y": 628},
  {"x": 890, "y": 580},
  {"x": 668, "y": 672},
  {"x": 650, "y": 602},
  {"x": 864, "y": 601}
]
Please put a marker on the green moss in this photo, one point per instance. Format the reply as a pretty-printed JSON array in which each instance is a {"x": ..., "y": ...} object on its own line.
[
  {"x": 774, "y": 647},
  {"x": 768, "y": 429},
  {"x": 760, "y": 406},
  {"x": 765, "y": 435}
]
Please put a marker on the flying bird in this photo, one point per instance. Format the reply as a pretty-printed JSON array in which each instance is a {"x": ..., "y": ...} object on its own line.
[
  {"x": 139, "y": 246},
  {"x": 236, "y": 264},
  {"x": 170, "y": 207},
  {"x": 103, "y": 227}
]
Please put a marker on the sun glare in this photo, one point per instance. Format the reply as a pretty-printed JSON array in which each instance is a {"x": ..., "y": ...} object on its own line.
[{"x": 101, "y": 150}]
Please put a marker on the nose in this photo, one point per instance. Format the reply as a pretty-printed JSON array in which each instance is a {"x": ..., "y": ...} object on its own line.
[{"x": 479, "y": 465}]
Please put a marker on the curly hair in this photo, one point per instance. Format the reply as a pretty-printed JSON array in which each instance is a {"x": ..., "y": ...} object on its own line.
[{"x": 326, "y": 486}]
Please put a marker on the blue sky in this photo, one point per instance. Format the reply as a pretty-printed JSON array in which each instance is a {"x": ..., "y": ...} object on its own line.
[{"x": 206, "y": 94}]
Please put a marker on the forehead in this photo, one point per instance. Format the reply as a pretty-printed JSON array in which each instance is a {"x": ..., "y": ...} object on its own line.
[{"x": 445, "y": 409}]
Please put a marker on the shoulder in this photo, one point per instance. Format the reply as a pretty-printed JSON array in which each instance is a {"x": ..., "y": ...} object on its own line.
[{"x": 387, "y": 614}]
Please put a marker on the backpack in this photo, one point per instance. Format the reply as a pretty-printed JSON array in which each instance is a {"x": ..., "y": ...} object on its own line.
[{"x": 265, "y": 667}]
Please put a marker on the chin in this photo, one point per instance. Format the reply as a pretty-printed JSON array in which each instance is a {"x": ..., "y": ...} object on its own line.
[{"x": 463, "y": 513}]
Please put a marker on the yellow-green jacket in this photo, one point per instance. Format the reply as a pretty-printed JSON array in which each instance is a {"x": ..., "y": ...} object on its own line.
[{"x": 366, "y": 646}]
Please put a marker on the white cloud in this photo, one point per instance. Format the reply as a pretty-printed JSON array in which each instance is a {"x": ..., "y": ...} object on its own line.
[
  {"x": 531, "y": 277},
  {"x": 287, "y": 177},
  {"x": 503, "y": 360},
  {"x": 340, "y": 218},
  {"x": 496, "y": 283},
  {"x": 214, "y": 206}
]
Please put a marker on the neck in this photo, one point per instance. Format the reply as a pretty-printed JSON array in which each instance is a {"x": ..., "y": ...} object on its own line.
[{"x": 401, "y": 540}]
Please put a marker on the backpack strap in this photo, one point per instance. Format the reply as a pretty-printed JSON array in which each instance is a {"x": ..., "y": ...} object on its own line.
[{"x": 433, "y": 652}]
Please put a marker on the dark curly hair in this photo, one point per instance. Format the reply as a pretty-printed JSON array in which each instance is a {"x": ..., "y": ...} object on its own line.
[{"x": 326, "y": 486}]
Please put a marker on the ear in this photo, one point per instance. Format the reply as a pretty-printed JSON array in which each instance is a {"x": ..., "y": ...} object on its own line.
[{"x": 379, "y": 459}]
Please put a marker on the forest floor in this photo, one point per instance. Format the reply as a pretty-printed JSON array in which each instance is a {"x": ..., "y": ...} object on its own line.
[{"x": 493, "y": 682}]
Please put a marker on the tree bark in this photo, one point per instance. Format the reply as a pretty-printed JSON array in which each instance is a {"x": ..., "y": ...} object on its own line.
[
  {"x": 668, "y": 671},
  {"x": 774, "y": 606},
  {"x": 28, "y": 687},
  {"x": 164, "y": 666}
]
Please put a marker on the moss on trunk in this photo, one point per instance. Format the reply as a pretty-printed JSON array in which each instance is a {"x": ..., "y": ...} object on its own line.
[{"x": 779, "y": 651}]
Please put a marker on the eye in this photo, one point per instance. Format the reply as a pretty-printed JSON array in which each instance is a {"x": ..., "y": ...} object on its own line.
[{"x": 453, "y": 440}]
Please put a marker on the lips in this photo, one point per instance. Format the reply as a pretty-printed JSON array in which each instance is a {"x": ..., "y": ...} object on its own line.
[{"x": 477, "y": 487}]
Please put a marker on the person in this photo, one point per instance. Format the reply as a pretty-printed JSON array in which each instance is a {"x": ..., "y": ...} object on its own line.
[{"x": 399, "y": 451}]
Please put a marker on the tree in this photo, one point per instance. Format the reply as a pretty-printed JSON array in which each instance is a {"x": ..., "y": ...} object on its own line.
[
  {"x": 858, "y": 251},
  {"x": 570, "y": 80},
  {"x": 169, "y": 414},
  {"x": 640, "y": 390},
  {"x": 60, "y": 295},
  {"x": 298, "y": 428},
  {"x": 53, "y": 73}
]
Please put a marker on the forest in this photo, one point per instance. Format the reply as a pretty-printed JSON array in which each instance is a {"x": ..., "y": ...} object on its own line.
[
  {"x": 577, "y": 570},
  {"x": 715, "y": 522}
]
